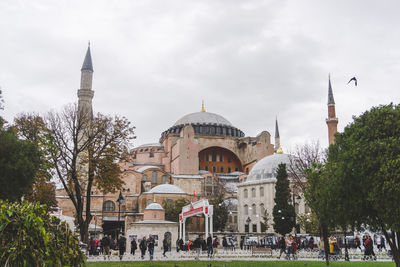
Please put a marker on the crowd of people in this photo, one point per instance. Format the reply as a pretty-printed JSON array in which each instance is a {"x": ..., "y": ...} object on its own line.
[{"x": 288, "y": 246}]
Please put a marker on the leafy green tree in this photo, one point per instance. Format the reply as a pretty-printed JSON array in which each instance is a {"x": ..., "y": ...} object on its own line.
[
  {"x": 309, "y": 223},
  {"x": 32, "y": 127},
  {"x": 19, "y": 162},
  {"x": 31, "y": 237},
  {"x": 174, "y": 208},
  {"x": 220, "y": 213},
  {"x": 365, "y": 162},
  {"x": 283, "y": 212}
]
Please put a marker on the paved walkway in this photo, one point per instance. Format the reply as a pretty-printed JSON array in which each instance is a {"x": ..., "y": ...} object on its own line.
[{"x": 229, "y": 255}]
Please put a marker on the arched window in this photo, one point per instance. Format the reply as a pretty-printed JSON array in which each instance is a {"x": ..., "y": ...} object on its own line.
[
  {"x": 145, "y": 178},
  {"x": 262, "y": 209},
  {"x": 245, "y": 193},
  {"x": 261, "y": 191},
  {"x": 253, "y": 192},
  {"x": 164, "y": 179},
  {"x": 109, "y": 205},
  {"x": 254, "y": 209},
  {"x": 154, "y": 178},
  {"x": 246, "y": 210}
]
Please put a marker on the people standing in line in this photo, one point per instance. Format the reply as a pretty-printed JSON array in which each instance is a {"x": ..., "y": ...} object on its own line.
[
  {"x": 197, "y": 245},
  {"x": 133, "y": 246},
  {"x": 165, "y": 246},
  {"x": 209, "y": 246},
  {"x": 121, "y": 246},
  {"x": 150, "y": 246},
  {"x": 143, "y": 247}
]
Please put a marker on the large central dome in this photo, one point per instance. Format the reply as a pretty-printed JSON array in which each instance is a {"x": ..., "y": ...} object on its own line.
[
  {"x": 203, "y": 118},
  {"x": 204, "y": 123}
]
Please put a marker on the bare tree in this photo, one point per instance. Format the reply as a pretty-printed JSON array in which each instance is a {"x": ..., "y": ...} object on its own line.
[
  {"x": 85, "y": 152},
  {"x": 304, "y": 157}
]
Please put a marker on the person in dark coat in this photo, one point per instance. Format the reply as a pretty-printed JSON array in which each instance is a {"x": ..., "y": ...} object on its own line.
[
  {"x": 209, "y": 246},
  {"x": 150, "y": 246},
  {"x": 105, "y": 243},
  {"x": 165, "y": 246},
  {"x": 133, "y": 246},
  {"x": 197, "y": 245},
  {"x": 121, "y": 246},
  {"x": 143, "y": 247}
]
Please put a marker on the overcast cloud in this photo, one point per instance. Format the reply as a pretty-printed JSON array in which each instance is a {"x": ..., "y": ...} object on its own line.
[{"x": 154, "y": 61}]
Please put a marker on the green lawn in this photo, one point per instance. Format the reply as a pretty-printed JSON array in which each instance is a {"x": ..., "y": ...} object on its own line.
[{"x": 240, "y": 264}]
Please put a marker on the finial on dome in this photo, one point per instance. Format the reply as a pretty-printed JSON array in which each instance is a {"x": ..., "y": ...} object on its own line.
[
  {"x": 279, "y": 150},
  {"x": 202, "y": 106}
]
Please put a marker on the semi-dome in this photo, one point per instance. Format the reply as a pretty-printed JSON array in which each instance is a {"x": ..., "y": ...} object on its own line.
[
  {"x": 166, "y": 189},
  {"x": 266, "y": 168},
  {"x": 204, "y": 123},
  {"x": 154, "y": 206}
]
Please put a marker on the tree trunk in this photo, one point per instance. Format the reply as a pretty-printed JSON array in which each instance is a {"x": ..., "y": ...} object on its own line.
[
  {"x": 326, "y": 243},
  {"x": 393, "y": 246},
  {"x": 346, "y": 251}
]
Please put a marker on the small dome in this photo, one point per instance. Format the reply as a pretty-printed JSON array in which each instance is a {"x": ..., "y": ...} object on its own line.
[
  {"x": 166, "y": 189},
  {"x": 203, "y": 118},
  {"x": 154, "y": 206},
  {"x": 266, "y": 168}
]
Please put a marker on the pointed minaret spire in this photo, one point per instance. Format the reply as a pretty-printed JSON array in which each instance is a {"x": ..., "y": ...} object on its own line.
[
  {"x": 87, "y": 63},
  {"x": 202, "y": 106},
  {"x": 331, "y": 100},
  {"x": 278, "y": 148},
  {"x": 85, "y": 93},
  {"x": 331, "y": 121}
]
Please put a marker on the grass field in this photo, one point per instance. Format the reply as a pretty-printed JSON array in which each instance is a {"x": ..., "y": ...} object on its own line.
[{"x": 241, "y": 264}]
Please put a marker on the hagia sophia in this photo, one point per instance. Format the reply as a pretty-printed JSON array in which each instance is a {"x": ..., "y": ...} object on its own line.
[{"x": 200, "y": 151}]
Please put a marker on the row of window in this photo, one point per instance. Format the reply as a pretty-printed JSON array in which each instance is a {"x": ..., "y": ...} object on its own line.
[
  {"x": 164, "y": 178},
  {"x": 253, "y": 209},
  {"x": 219, "y": 169},
  {"x": 215, "y": 157},
  {"x": 253, "y": 192}
]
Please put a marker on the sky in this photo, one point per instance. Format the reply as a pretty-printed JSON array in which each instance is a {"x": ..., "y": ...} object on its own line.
[{"x": 250, "y": 61}]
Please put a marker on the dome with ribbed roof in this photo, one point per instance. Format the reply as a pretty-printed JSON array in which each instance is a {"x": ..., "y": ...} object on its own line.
[
  {"x": 266, "y": 168},
  {"x": 203, "y": 118},
  {"x": 205, "y": 123},
  {"x": 154, "y": 206},
  {"x": 166, "y": 189}
]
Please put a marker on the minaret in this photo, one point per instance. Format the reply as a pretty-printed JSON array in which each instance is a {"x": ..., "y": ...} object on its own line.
[
  {"x": 85, "y": 93},
  {"x": 278, "y": 148},
  {"x": 331, "y": 121}
]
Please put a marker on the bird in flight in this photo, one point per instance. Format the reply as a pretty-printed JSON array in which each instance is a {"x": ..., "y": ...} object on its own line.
[{"x": 353, "y": 79}]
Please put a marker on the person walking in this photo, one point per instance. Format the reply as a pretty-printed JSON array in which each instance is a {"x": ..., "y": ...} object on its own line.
[
  {"x": 224, "y": 244},
  {"x": 165, "y": 246},
  {"x": 197, "y": 245},
  {"x": 383, "y": 243},
  {"x": 105, "y": 243},
  {"x": 150, "y": 246},
  {"x": 215, "y": 246},
  {"x": 209, "y": 246},
  {"x": 369, "y": 248},
  {"x": 357, "y": 242},
  {"x": 321, "y": 248},
  {"x": 133, "y": 246},
  {"x": 282, "y": 246},
  {"x": 121, "y": 246},
  {"x": 143, "y": 247}
]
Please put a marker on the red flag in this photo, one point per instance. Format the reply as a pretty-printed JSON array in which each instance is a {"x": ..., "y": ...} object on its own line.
[
  {"x": 95, "y": 215},
  {"x": 194, "y": 194}
]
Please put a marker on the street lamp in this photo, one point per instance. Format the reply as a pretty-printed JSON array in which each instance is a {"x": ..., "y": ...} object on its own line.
[{"x": 120, "y": 200}]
